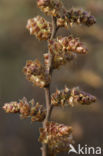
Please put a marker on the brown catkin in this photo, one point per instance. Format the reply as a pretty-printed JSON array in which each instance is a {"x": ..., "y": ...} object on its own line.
[
  {"x": 39, "y": 27},
  {"x": 71, "y": 97},
  {"x": 50, "y": 7},
  {"x": 57, "y": 136},
  {"x": 35, "y": 72},
  {"x": 26, "y": 109}
]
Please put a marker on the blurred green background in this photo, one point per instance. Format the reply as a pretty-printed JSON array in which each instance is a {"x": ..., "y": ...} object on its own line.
[{"x": 19, "y": 137}]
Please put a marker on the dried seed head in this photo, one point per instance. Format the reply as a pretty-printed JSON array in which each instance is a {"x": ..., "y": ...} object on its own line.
[
  {"x": 39, "y": 27},
  {"x": 35, "y": 73},
  {"x": 26, "y": 109},
  {"x": 72, "y": 97},
  {"x": 80, "y": 16},
  {"x": 57, "y": 136}
]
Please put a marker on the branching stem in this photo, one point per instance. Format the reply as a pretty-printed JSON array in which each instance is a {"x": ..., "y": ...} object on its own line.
[{"x": 49, "y": 107}]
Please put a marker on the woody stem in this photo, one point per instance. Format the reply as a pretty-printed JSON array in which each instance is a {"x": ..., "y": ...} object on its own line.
[{"x": 47, "y": 89}]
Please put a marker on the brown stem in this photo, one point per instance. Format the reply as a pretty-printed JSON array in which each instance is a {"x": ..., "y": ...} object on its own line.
[{"x": 47, "y": 89}]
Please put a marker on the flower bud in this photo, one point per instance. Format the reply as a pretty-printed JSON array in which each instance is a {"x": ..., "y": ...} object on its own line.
[
  {"x": 39, "y": 27},
  {"x": 57, "y": 136},
  {"x": 72, "y": 44},
  {"x": 62, "y": 22},
  {"x": 26, "y": 109},
  {"x": 67, "y": 44},
  {"x": 72, "y": 97},
  {"x": 81, "y": 97},
  {"x": 35, "y": 73},
  {"x": 37, "y": 113},
  {"x": 80, "y": 16},
  {"x": 50, "y": 7}
]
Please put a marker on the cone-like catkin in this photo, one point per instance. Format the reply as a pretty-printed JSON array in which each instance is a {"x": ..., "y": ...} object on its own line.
[
  {"x": 39, "y": 27},
  {"x": 26, "y": 109},
  {"x": 80, "y": 16},
  {"x": 72, "y": 97},
  {"x": 50, "y": 7},
  {"x": 35, "y": 73},
  {"x": 57, "y": 136},
  {"x": 62, "y": 46}
]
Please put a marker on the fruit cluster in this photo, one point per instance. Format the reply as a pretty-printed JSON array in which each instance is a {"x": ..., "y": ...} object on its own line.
[
  {"x": 39, "y": 27},
  {"x": 35, "y": 72},
  {"x": 50, "y": 7},
  {"x": 57, "y": 136},
  {"x": 71, "y": 97},
  {"x": 26, "y": 109}
]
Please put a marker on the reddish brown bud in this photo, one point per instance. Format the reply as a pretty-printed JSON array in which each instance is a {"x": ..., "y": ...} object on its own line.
[
  {"x": 26, "y": 109},
  {"x": 72, "y": 44},
  {"x": 81, "y": 97},
  {"x": 37, "y": 113},
  {"x": 39, "y": 27},
  {"x": 62, "y": 22},
  {"x": 65, "y": 45},
  {"x": 72, "y": 97},
  {"x": 80, "y": 16},
  {"x": 50, "y": 7},
  {"x": 35, "y": 73},
  {"x": 57, "y": 136}
]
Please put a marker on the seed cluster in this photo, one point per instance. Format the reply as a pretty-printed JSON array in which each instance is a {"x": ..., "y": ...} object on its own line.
[
  {"x": 39, "y": 27},
  {"x": 71, "y": 97},
  {"x": 57, "y": 136},
  {"x": 35, "y": 72},
  {"x": 63, "y": 22},
  {"x": 80, "y": 16},
  {"x": 50, "y": 7},
  {"x": 26, "y": 109},
  {"x": 67, "y": 44}
]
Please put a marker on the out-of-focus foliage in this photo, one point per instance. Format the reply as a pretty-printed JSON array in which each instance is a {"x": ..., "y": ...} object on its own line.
[{"x": 19, "y": 138}]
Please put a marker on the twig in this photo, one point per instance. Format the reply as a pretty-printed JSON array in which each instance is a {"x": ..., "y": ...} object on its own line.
[{"x": 47, "y": 89}]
